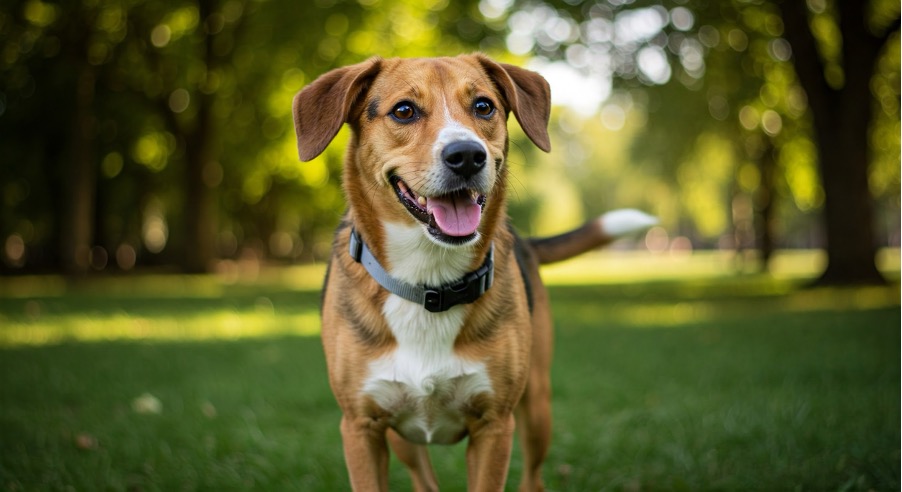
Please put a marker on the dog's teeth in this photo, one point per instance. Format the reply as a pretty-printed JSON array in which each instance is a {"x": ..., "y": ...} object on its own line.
[{"x": 422, "y": 201}]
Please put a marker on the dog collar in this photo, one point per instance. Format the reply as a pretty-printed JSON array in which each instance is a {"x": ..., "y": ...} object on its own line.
[{"x": 435, "y": 299}]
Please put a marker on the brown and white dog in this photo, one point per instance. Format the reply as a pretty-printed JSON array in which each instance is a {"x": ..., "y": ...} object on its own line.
[{"x": 435, "y": 323}]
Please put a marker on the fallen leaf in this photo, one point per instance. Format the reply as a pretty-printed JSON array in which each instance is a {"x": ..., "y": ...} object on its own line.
[
  {"x": 208, "y": 410},
  {"x": 147, "y": 404},
  {"x": 85, "y": 441}
]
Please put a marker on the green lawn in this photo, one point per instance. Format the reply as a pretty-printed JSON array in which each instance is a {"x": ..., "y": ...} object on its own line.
[{"x": 694, "y": 381}]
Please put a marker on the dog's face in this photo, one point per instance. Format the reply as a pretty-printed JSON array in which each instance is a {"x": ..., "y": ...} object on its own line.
[
  {"x": 439, "y": 129},
  {"x": 430, "y": 134}
]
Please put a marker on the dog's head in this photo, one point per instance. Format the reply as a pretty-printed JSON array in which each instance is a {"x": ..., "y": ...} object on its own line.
[{"x": 429, "y": 141}]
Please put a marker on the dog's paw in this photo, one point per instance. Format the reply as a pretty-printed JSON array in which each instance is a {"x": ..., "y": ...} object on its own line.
[{"x": 623, "y": 222}]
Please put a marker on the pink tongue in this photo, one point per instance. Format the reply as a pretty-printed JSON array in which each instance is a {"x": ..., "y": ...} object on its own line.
[{"x": 456, "y": 215}]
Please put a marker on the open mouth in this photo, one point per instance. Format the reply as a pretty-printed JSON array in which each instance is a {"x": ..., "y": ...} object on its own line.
[{"x": 452, "y": 218}]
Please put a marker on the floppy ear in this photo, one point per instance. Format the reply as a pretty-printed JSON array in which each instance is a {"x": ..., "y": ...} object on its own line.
[
  {"x": 529, "y": 97},
  {"x": 323, "y": 106}
]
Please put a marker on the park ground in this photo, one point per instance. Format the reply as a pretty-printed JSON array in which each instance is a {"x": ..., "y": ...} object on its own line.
[{"x": 671, "y": 373}]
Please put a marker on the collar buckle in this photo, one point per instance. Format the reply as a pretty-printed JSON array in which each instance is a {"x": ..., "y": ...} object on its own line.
[
  {"x": 356, "y": 246},
  {"x": 433, "y": 301}
]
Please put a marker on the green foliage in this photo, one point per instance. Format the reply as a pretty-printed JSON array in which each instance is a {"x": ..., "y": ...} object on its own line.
[
  {"x": 886, "y": 129},
  {"x": 705, "y": 72},
  {"x": 142, "y": 95},
  {"x": 142, "y": 91}
]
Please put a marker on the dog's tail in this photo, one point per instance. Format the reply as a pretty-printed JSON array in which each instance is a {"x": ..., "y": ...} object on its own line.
[{"x": 592, "y": 234}]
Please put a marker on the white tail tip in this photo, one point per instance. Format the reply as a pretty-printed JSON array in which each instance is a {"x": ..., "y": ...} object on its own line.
[{"x": 618, "y": 223}]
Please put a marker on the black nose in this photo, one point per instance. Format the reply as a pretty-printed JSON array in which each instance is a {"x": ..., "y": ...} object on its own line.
[{"x": 465, "y": 158}]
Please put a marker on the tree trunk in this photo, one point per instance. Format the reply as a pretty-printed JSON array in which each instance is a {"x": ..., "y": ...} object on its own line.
[
  {"x": 199, "y": 212},
  {"x": 78, "y": 188},
  {"x": 842, "y": 117},
  {"x": 200, "y": 228},
  {"x": 765, "y": 204},
  {"x": 848, "y": 206}
]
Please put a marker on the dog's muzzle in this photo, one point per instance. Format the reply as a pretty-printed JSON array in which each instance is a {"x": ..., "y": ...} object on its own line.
[{"x": 453, "y": 214}]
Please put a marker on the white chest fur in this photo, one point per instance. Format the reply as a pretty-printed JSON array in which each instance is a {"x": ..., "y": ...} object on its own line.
[{"x": 423, "y": 383}]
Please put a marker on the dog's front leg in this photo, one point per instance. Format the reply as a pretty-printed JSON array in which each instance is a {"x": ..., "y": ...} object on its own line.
[
  {"x": 366, "y": 453},
  {"x": 489, "y": 453}
]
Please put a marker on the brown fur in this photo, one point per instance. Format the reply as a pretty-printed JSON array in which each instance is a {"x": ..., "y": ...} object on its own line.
[{"x": 508, "y": 329}]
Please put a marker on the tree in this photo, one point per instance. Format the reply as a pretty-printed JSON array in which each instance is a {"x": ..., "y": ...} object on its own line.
[
  {"x": 690, "y": 51},
  {"x": 842, "y": 110},
  {"x": 160, "y": 133}
]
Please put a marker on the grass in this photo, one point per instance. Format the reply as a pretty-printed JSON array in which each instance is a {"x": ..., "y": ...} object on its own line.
[{"x": 681, "y": 381}]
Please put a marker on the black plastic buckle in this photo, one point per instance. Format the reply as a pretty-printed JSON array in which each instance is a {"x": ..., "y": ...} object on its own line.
[
  {"x": 448, "y": 296},
  {"x": 356, "y": 246},
  {"x": 433, "y": 301},
  {"x": 467, "y": 290}
]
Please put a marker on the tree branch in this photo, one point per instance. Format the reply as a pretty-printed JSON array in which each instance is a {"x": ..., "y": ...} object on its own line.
[
  {"x": 891, "y": 29},
  {"x": 861, "y": 47},
  {"x": 805, "y": 56}
]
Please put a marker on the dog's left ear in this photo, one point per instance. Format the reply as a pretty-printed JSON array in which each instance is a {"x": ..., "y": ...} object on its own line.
[
  {"x": 528, "y": 95},
  {"x": 323, "y": 106}
]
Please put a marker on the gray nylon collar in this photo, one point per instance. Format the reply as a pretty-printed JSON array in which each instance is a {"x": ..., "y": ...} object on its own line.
[{"x": 435, "y": 299}]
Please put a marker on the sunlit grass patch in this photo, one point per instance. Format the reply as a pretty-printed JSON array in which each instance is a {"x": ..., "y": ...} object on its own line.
[
  {"x": 636, "y": 266},
  {"x": 222, "y": 324},
  {"x": 155, "y": 307},
  {"x": 637, "y": 289},
  {"x": 678, "y": 304},
  {"x": 613, "y": 266}
]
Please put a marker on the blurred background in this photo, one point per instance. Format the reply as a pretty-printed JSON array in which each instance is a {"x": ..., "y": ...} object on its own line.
[
  {"x": 145, "y": 144},
  {"x": 140, "y": 135}
]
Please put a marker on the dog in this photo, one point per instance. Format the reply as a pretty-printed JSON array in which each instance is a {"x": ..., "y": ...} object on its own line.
[{"x": 435, "y": 323}]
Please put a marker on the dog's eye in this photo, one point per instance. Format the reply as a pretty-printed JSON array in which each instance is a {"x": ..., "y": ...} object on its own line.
[
  {"x": 404, "y": 112},
  {"x": 483, "y": 107}
]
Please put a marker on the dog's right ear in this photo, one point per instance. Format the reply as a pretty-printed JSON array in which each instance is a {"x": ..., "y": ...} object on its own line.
[{"x": 323, "y": 106}]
